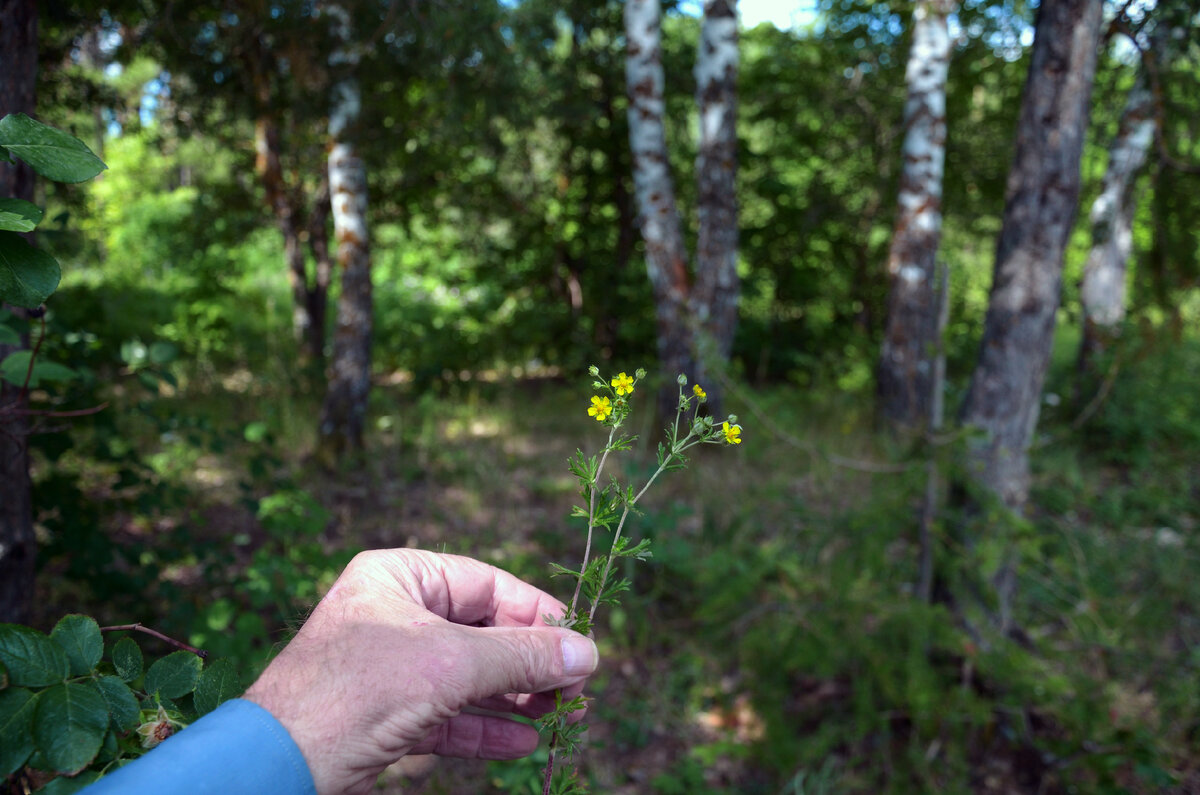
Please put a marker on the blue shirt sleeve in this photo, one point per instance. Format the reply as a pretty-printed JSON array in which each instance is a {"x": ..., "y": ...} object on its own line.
[{"x": 237, "y": 749}]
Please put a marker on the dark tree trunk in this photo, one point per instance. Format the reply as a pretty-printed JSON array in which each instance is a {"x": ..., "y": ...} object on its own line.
[
  {"x": 286, "y": 203},
  {"x": 18, "y": 547},
  {"x": 906, "y": 362},
  {"x": 343, "y": 416},
  {"x": 1040, "y": 208},
  {"x": 715, "y": 300}
]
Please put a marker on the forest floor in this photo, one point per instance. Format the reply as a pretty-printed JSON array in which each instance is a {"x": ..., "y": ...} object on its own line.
[{"x": 768, "y": 647}]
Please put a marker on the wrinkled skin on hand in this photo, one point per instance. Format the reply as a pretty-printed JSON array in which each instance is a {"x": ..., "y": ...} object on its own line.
[{"x": 413, "y": 652}]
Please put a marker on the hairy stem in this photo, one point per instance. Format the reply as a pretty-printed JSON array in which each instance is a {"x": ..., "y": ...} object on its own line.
[{"x": 587, "y": 548}]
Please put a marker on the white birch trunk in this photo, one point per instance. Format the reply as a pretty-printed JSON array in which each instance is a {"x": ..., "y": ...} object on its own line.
[
  {"x": 658, "y": 213},
  {"x": 715, "y": 299},
  {"x": 1102, "y": 291},
  {"x": 906, "y": 367},
  {"x": 343, "y": 416}
]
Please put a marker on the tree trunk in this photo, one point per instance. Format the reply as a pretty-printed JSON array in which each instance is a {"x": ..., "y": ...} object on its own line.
[
  {"x": 715, "y": 299},
  {"x": 286, "y": 205},
  {"x": 18, "y": 546},
  {"x": 906, "y": 358},
  {"x": 666, "y": 255},
  {"x": 343, "y": 415},
  {"x": 1040, "y": 207},
  {"x": 1102, "y": 292}
]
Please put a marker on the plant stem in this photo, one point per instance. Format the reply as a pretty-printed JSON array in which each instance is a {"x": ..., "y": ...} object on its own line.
[
  {"x": 201, "y": 653},
  {"x": 587, "y": 548}
]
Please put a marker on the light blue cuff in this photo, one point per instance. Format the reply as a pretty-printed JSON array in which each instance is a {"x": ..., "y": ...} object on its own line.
[{"x": 237, "y": 749}]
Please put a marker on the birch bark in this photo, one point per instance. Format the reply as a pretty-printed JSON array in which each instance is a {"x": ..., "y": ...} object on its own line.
[
  {"x": 666, "y": 255},
  {"x": 906, "y": 366},
  {"x": 343, "y": 415},
  {"x": 696, "y": 317},
  {"x": 715, "y": 299},
  {"x": 1102, "y": 291}
]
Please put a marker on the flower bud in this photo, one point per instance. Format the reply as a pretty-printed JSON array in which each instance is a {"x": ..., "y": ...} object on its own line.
[
  {"x": 733, "y": 419},
  {"x": 681, "y": 380},
  {"x": 594, "y": 370},
  {"x": 639, "y": 374}
]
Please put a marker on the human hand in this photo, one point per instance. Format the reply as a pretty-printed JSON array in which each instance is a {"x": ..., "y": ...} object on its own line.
[{"x": 400, "y": 646}]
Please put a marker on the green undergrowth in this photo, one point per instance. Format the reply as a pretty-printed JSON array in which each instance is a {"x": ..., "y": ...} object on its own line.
[{"x": 774, "y": 643}]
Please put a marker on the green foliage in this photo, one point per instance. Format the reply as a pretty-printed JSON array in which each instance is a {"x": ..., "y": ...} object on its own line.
[
  {"x": 66, "y": 709},
  {"x": 28, "y": 275}
]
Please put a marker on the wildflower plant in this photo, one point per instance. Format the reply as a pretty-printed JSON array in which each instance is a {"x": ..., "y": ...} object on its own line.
[{"x": 607, "y": 504}]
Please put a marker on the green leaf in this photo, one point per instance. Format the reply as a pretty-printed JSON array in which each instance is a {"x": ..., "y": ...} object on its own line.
[
  {"x": 122, "y": 705},
  {"x": 15, "y": 367},
  {"x": 174, "y": 675},
  {"x": 127, "y": 659},
  {"x": 9, "y": 335},
  {"x": 32, "y": 659},
  {"x": 69, "y": 725},
  {"x": 16, "y": 739},
  {"x": 28, "y": 275},
  {"x": 18, "y": 215},
  {"x": 68, "y": 786},
  {"x": 80, "y": 638},
  {"x": 217, "y": 684},
  {"x": 52, "y": 153}
]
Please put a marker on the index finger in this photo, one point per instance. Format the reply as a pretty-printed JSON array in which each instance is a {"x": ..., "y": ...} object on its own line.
[{"x": 467, "y": 591}]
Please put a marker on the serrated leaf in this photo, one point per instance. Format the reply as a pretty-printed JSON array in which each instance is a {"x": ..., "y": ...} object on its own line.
[
  {"x": 69, "y": 725},
  {"x": 16, "y": 739},
  {"x": 218, "y": 683},
  {"x": 123, "y": 710},
  {"x": 173, "y": 675},
  {"x": 18, "y": 215},
  {"x": 127, "y": 659},
  {"x": 15, "y": 368},
  {"x": 80, "y": 638},
  {"x": 52, "y": 153},
  {"x": 32, "y": 659},
  {"x": 28, "y": 275}
]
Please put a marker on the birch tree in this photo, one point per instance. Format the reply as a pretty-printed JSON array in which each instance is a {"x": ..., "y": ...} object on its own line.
[
  {"x": 343, "y": 415},
  {"x": 696, "y": 316},
  {"x": 18, "y": 546},
  {"x": 1102, "y": 290},
  {"x": 717, "y": 287},
  {"x": 1040, "y": 207},
  {"x": 907, "y": 366}
]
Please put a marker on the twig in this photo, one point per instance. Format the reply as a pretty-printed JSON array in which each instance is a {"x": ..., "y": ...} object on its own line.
[{"x": 201, "y": 653}]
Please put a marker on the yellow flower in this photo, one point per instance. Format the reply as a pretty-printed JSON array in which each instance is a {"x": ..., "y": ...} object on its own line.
[
  {"x": 733, "y": 433},
  {"x": 623, "y": 384},
  {"x": 698, "y": 392},
  {"x": 600, "y": 409}
]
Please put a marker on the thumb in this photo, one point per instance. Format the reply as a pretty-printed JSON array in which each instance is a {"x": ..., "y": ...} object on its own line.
[{"x": 527, "y": 659}]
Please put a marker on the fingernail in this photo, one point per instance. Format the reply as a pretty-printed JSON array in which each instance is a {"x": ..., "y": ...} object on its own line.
[{"x": 580, "y": 656}]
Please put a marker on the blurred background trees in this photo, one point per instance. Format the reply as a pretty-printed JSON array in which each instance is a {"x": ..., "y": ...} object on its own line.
[{"x": 813, "y": 600}]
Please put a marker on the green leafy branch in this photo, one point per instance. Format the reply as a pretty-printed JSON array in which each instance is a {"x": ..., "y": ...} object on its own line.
[
  {"x": 69, "y": 712},
  {"x": 609, "y": 507},
  {"x": 29, "y": 275}
]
